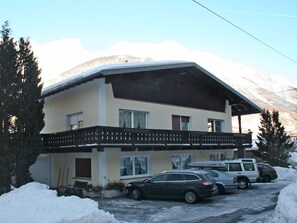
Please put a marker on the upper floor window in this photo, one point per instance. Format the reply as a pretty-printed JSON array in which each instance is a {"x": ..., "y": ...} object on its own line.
[
  {"x": 215, "y": 125},
  {"x": 133, "y": 119},
  {"x": 75, "y": 121},
  {"x": 180, "y": 122}
]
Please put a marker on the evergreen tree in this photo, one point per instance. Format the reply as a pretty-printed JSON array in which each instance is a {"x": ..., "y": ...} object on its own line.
[
  {"x": 29, "y": 117},
  {"x": 21, "y": 112},
  {"x": 8, "y": 80},
  {"x": 274, "y": 143}
]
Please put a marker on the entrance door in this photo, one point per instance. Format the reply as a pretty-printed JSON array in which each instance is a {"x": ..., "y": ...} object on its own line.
[{"x": 41, "y": 170}]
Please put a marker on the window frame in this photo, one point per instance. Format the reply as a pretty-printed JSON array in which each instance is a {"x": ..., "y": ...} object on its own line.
[
  {"x": 134, "y": 175},
  {"x": 180, "y": 124},
  {"x": 180, "y": 160},
  {"x": 88, "y": 176},
  {"x": 212, "y": 126},
  {"x": 79, "y": 120},
  {"x": 132, "y": 118}
]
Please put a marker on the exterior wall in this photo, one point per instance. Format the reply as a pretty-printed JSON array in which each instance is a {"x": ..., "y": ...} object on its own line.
[
  {"x": 83, "y": 98},
  {"x": 158, "y": 160},
  {"x": 63, "y": 166},
  {"x": 160, "y": 115}
]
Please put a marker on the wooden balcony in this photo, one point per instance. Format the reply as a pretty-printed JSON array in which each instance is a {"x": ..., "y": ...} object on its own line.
[{"x": 101, "y": 137}]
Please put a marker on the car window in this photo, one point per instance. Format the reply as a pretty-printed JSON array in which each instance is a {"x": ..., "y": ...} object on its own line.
[
  {"x": 248, "y": 166},
  {"x": 191, "y": 177},
  {"x": 234, "y": 167},
  {"x": 161, "y": 177},
  {"x": 175, "y": 177},
  {"x": 214, "y": 174}
]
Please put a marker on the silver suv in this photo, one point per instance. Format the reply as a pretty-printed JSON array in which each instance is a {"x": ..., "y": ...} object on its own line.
[{"x": 245, "y": 169}]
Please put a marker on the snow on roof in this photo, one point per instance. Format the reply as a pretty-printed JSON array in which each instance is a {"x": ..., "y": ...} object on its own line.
[{"x": 110, "y": 69}]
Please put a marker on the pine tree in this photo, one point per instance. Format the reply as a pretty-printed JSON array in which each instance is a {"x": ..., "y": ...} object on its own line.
[
  {"x": 8, "y": 80},
  {"x": 274, "y": 143},
  {"x": 21, "y": 112},
  {"x": 29, "y": 118}
]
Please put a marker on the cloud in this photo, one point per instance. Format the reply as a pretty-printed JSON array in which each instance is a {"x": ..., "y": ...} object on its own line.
[{"x": 61, "y": 55}]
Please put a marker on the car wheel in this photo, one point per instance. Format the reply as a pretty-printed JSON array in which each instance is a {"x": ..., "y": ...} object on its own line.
[
  {"x": 243, "y": 183},
  {"x": 136, "y": 194},
  {"x": 221, "y": 188},
  {"x": 190, "y": 197},
  {"x": 266, "y": 178}
]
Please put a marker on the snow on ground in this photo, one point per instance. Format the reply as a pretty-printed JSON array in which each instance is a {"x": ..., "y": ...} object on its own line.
[{"x": 35, "y": 203}]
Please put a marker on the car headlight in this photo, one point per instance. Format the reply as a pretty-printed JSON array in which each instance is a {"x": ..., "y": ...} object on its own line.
[{"x": 129, "y": 185}]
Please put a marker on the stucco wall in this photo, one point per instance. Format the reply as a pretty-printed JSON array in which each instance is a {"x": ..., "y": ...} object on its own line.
[
  {"x": 160, "y": 116},
  {"x": 83, "y": 98}
]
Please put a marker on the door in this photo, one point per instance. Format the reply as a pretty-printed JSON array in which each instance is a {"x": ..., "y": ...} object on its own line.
[{"x": 41, "y": 170}]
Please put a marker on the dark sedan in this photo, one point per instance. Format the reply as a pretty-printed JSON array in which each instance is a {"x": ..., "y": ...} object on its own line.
[{"x": 189, "y": 185}]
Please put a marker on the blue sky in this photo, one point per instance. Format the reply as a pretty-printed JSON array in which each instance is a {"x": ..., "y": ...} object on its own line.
[{"x": 99, "y": 24}]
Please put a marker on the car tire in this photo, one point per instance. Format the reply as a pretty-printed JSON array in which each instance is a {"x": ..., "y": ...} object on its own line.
[
  {"x": 136, "y": 194},
  {"x": 221, "y": 189},
  {"x": 266, "y": 179},
  {"x": 243, "y": 183},
  {"x": 190, "y": 197}
]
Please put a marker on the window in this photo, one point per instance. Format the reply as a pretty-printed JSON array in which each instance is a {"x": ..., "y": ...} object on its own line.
[
  {"x": 217, "y": 157},
  {"x": 133, "y": 119},
  {"x": 75, "y": 121},
  {"x": 180, "y": 161},
  {"x": 234, "y": 167},
  {"x": 175, "y": 177},
  {"x": 248, "y": 166},
  {"x": 180, "y": 122},
  {"x": 159, "y": 178},
  {"x": 83, "y": 167},
  {"x": 215, "y": 125},
  {"x": 134, "y": 166},
  {"x": 190, "y": 177}
]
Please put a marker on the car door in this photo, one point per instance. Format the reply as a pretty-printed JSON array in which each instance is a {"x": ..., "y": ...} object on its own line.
[
  {"x": 153, "y": 187},
  {"x": 173, "y": 187},
  {"x": 234, "y": 169}
]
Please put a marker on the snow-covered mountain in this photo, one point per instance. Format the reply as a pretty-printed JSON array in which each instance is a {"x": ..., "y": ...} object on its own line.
[{"x": 269, "y": 92}]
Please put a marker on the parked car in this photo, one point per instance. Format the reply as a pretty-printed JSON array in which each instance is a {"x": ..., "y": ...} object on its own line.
[
  {"x": 189, "y": 185},
  {"x": 224, "y": 181},
  {"x": 245, "y": 170},
  {"x": 267, "y": 172}
]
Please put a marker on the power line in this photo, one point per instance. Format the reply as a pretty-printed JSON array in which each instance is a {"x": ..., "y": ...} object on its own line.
[{"x": 242, "y": 30}]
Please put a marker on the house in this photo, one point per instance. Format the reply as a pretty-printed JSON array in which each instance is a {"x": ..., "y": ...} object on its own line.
[{"x": 132, "y": 120}]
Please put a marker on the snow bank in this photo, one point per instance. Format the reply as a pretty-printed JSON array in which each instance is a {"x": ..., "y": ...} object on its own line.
[
  {"x": 286, "y": 174},
  {"x": 35, "y": 203},
  {"x": 285, "y": 211}
]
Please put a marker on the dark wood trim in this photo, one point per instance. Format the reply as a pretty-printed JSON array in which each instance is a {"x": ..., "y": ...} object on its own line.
[{"x": 104, "y": 137}]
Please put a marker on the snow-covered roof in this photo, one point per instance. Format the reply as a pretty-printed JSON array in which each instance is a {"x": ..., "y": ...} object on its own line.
[{"x": 125, "y": 68}]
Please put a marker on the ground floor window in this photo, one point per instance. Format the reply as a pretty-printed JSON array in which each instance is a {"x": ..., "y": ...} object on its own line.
[
  {"x": 83, "y": 167},
  {"x": 134, "y": 166},
  {"x": 217, "y": 156},
  {"x": 180, "y": 161}
]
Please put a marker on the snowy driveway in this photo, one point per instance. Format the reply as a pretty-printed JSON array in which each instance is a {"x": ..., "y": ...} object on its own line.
[{"x": 246, "y": 206}]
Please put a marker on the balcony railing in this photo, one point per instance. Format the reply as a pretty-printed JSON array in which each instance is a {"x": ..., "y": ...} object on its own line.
[{"x": 102, "y": 136}]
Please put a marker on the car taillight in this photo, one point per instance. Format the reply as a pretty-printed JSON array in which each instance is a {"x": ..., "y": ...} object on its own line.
[{"x": 207, "y": 184}]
